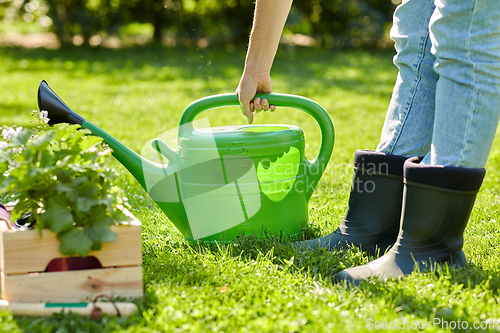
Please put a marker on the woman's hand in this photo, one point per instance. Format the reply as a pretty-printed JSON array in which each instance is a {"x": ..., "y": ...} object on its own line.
[
  {"x": 250, "y": 85},
  {"x": 269, "y": 20}
]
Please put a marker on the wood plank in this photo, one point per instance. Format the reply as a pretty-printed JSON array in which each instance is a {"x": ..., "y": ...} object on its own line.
[
  {"x": 26, "y": 251},
  {"x": 73, "y": 286},
  {"x": 2, "y": 261}
]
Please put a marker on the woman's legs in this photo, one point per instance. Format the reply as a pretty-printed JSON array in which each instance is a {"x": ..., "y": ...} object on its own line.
[
  {"x": 448, "y": 94},
  {"x": 409, "y": 122},
  {"x": 439, "y": 197},
  {"x": 465, "y": 37},
  {"x": 372, "y": 219}
]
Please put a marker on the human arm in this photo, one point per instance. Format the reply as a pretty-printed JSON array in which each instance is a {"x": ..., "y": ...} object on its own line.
[{"x": 269, "y": 20}]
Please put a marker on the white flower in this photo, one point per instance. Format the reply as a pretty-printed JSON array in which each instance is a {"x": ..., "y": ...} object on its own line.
[
  {"x": 8, "y": 133},
  {"x": 3, "y": 144},
  {"x": 44, "y": 115},
  {"x": 105, "y": 152}
]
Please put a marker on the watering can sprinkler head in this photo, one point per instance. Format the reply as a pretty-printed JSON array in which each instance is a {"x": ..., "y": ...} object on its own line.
[{"x": 58, "y": 111}]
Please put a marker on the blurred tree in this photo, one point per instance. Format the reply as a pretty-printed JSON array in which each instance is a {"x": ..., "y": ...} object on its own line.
[
  {"x": 331, "y": 22},
  {"x": 161, "y": 14},
  {"x": 190, "y": 20},
  {"x": 26, "y": 11},
  {"x": 84, "y": 17},
  {"x": 343, "y": 22},
  {"x": 223, "y": 21}
]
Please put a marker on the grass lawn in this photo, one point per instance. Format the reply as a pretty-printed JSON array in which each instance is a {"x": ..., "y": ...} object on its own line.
[{"x": 256, "y": 285}]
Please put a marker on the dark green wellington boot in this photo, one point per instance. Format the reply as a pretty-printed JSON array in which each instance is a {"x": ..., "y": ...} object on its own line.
[
  {"x": 371, "y": 221},
  {"x": 437, "y": 203}
]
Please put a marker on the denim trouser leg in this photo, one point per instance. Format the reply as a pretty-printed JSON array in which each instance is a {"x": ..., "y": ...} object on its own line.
[
  {"x": 456, "y": 125},
  {"x": 465, "y": 36},
  {"x": 408, "y": 124}
]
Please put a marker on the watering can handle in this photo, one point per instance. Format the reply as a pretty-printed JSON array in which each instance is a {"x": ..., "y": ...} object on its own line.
[{"x": 315, "y": 168}]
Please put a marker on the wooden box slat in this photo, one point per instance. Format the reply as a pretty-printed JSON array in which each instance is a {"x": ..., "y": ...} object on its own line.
[
  {"x": 26, "y": 251},
  {"x": 73, "y": 286}
]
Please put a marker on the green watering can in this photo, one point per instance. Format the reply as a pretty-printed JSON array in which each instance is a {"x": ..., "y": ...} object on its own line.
[{"x": 222, "y": 182}]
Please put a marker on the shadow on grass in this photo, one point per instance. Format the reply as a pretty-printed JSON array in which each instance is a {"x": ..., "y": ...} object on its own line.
[
  {"x": 319, "y": 264},
  {"x": 324, "y": 264},
  {"x": 472, "y": 276},
  {"x": 445, "y": 295}
]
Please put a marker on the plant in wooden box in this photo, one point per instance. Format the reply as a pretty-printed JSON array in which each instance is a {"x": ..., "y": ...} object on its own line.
[{"x": 59, "y": 176}]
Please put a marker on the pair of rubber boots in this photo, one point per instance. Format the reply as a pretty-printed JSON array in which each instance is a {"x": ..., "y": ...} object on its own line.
[{"x": 418, "y": 212}]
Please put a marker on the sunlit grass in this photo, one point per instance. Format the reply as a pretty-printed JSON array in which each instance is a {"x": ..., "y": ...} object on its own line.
[{"x": 256, "y": 285}]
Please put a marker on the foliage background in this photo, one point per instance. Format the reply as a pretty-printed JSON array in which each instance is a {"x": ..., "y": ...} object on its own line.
[{"x": 351, "y": 23}]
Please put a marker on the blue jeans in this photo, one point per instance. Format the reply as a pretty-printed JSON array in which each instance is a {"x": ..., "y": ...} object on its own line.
[{"x": 446, "y": 101}]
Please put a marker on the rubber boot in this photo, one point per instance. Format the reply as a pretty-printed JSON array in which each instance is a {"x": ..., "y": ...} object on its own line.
[
  {"x": 437, "y": 203},
  {"x": 371, "y": 221}
]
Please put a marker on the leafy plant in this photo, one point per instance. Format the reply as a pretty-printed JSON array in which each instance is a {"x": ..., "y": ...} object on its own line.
[{"x": 59, "y": 176}]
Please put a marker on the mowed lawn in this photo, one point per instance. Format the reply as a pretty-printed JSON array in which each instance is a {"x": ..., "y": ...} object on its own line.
[{"x": 256, "y": 285}]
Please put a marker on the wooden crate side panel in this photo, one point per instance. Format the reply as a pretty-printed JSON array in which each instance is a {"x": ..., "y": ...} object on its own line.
[
  {"x": 3, "y": 227},
  {"x": 73, "y": 286},
  {"x": 2, "y": 283},
  {"x": 26, "y": 251}
]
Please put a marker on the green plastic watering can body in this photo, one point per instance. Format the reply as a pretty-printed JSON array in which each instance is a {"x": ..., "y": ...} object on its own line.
[
  {"x": 276, "y": 199},
  {"x": 225, "y": 181}
]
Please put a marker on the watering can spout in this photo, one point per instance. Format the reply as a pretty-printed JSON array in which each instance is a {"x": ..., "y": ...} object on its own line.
[
  {"x": 141, "y": 168},
  {"x": 58, "y": 112}
]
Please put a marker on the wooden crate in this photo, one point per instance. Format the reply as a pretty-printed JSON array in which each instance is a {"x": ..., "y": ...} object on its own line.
[{"x": 24, "y": 257}]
